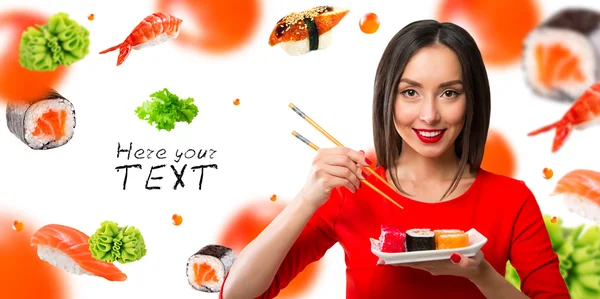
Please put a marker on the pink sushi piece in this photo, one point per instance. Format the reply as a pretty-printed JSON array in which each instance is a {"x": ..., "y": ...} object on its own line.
[{"x": 391, "y": 239}]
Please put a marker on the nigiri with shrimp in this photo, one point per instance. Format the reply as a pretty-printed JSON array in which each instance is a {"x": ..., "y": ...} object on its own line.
[
  {"x": 583, "y": 113},
  {"x": 299, "y": 33},
  {"x": 155, "y": 29}
]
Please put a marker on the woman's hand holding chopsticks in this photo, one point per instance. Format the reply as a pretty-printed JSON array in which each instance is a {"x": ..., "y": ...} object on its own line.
[{"x": 333, "y": 167}]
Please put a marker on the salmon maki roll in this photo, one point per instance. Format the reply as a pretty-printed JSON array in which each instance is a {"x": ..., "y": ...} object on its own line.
[
  {"x": 561, "y": 57},
  {"x": 207, "y": 268},
  {"x": 43, "y": 124},
  {"x": 452, "y": 241},
  {"x": 306, "y": 31}
]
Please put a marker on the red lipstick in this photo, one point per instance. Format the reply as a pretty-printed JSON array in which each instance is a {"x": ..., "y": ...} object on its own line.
[{"x": 428, "y": 135}]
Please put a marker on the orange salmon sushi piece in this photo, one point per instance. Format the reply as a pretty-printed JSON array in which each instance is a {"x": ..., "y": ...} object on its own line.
[
  {"x": 452, "y": 241},
  {"x": 561, "y": 58},
  {"x": 207, "y": 268},
  {"x": 43, "y": 124},
  {"x": 581, "y": 191},
  {"x": 439, "y": 232},
  {"x": 67, "y": 248}
]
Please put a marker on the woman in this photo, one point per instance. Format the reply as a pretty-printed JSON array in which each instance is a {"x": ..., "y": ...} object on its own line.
[{"x": 431, "y": 114}]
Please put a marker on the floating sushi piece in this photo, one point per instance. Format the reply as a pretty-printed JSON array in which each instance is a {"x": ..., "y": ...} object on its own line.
[
  {"x": 561, "y": 58},
  {"x": 306, "y": 31},
  {"x": 155, "y": 29},
  {"x": 451, "y": 241},
  {"x": 581, "y": 191},
  {"x": 584, "y": 113},
  {"x": 207, "y": 268},
  {"x": 420, "y": 239},
  {"x": 67, "y": 248},
  {"x": 391, "y": 240},
  {"x": 44, "y": 124}
]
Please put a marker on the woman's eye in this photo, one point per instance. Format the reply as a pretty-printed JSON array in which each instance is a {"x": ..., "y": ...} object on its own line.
[
  {"x": 410, "y": 93},
  {"x": 450, "y": 93}
]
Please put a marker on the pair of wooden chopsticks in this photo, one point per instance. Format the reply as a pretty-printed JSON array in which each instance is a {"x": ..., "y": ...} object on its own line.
[{"x": 313, "y": 146}]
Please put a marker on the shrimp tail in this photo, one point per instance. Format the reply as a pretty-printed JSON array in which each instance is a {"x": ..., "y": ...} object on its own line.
[
  {"x": 544, "y": 129},
  {"x": 563, "y": 131},
  {"x": 124, "y": 50}
]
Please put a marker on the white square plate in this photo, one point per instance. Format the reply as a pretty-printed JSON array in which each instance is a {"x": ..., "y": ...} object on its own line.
[{"x": 476, "y": 241}]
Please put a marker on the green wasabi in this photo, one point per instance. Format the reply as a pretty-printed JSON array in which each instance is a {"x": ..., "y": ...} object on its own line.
[
  {"x": 60, "y": 42},
  {"x": 112, "y": 243},
  {"x": 578, "y": 251}
]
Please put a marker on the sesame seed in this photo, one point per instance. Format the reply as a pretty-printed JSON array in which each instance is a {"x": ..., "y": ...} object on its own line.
[{"x": 296, "y": 17}]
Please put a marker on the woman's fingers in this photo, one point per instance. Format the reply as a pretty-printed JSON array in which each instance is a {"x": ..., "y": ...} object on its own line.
[{"x": 331, "y": 182}]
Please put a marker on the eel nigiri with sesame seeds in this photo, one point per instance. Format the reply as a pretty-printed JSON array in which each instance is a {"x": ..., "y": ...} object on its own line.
[{"x": 299, "y": 33}]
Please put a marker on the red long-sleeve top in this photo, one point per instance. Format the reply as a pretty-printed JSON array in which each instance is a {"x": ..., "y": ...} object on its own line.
[{"x": 502, "y": 209}]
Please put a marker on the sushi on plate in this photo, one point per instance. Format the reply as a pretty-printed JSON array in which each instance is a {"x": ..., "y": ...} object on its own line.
[
  {"x": 67, "y": 248},
  {"x": 207, "y": 268},
  {"x": 561, "y": 57},
  {"x": 299, "y": 33},
  {"x": 580, "y": 189},
  {"x": 420, "y": 239},
  {"x": 391, "y": 239},
  {"x": 43, "y": 124}
]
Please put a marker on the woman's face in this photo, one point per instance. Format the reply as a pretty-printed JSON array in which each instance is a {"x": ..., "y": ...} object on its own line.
[{"x": 429, "y": 111}]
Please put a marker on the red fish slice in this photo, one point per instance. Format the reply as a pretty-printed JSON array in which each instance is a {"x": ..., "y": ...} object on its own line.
[
  {"x": 155, "y": 29},
  {"x": 583, "y": 112},
  {"x": 581, "y": 189},
  {"x": 75, "y": 245}
]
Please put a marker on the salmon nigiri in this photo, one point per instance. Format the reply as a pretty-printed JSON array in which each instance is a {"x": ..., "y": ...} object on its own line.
[
  {"x": 68, "y": 248},
  {"x": 581, "y": 189},
  {"x": 584, "y": 113}
]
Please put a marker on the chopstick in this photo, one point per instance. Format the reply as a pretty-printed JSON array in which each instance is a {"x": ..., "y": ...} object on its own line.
[
  {"x": 313, "y": 146},
  {"x": 316, "y": 126}
]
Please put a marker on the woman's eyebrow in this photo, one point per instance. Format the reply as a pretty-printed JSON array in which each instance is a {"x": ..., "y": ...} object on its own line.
[
  {"x": 450, "y": 83},
  {"x": 445, "y": 84},
  {"x": 411, "y": 82}
]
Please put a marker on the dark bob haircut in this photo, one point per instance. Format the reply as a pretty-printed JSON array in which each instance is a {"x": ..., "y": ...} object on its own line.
[{"x": 470, "y": 143}]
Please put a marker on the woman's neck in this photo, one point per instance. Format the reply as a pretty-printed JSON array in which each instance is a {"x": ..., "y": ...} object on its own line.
[{"x": 412, "y": 166}]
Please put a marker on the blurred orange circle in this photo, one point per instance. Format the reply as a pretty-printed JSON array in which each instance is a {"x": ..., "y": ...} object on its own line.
[
  {"x": 23, "y": 274},
  {"x": 499, "y": 157},
  {"x": 224, "y": 25},
  {"x": 499, "y": 27},
  {"x": 248, "y": 223}
]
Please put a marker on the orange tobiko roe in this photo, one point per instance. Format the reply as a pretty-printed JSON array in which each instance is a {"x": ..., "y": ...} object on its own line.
[
  {"x": 23, "y": 274},
  {"x": 18, "y": 84},
  {"x": 225, "y": 25},
  {"x": 248, "y": 223}
]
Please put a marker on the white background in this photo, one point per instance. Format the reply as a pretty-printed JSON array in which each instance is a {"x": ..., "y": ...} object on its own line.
[{"x": 77, "y": 185}]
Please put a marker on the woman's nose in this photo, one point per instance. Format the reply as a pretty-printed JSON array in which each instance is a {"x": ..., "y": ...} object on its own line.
[{"x": 429, "y": 112}]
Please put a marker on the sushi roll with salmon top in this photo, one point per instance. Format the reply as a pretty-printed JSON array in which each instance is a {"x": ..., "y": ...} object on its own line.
[
  {"x": 306, "y": 31},
  {"x": 43, "y": 124},
  {"x": 561, "y": 58}
]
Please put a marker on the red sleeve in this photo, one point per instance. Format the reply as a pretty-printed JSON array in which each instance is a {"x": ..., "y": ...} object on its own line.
[
  {"x": 532, "y": 255},
  {"x": 313, "y": 242}
]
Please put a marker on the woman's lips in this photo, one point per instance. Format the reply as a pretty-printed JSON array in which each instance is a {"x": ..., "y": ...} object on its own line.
[{"x": 429, "y": 135}]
